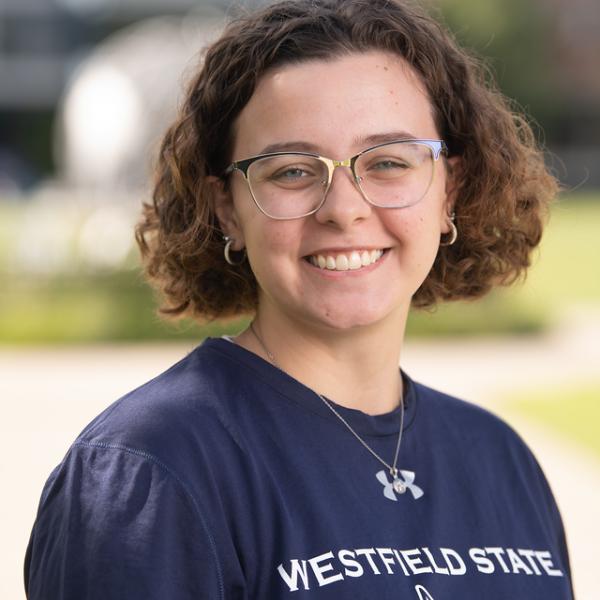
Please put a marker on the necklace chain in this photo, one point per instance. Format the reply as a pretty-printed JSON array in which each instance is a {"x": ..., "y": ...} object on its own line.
[{"x": 391, "y": 468}]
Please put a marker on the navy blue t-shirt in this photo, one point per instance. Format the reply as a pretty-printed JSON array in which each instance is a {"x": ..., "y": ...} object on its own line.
[{"x": 225, "y": 478}]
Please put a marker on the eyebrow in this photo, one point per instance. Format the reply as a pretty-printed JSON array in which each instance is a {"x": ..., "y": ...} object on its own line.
[
  {"x": 382, "y": 138},
  {"x": 290, "y": 147},
  {"x": 369, "y": 140}
]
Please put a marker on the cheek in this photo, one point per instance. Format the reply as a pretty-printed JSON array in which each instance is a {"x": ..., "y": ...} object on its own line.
[
  {"x": 416, "y": 226},
  {"x": 418, "y": 234},
  {"x": 280, "y": 237},
  {"x": 271, "y": 242}
]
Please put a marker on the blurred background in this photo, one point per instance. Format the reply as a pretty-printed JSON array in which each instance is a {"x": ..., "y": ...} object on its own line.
[{"x": 87, "y": 87}]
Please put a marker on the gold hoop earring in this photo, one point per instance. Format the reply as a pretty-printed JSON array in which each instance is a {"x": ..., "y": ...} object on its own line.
[
  {"x": 453, "y": 231},
  {"x": 227, "y": 252}
]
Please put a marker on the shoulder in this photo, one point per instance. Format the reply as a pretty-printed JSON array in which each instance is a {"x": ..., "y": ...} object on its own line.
[
  {"x": 482, "y": 443},
  {"x": 147, "y": 468},
  {"x": 474, "y": 433},
  {"x": 490, "y": 459},
  {"x": 113, "y": 500},
  {"x": 167, "y": 418},
  {"x": 472, "y": 420}
]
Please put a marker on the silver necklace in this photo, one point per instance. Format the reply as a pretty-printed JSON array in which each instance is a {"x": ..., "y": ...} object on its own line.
[{"x": 397, "y": 483}]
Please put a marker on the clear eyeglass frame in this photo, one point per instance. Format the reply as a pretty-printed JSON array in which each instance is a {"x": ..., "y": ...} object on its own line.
[{"x": 437, "y": 148}]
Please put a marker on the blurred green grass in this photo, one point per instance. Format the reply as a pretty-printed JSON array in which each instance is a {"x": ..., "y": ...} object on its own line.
[
  {"x": 572, "y": 412},
  {"x": 100, "y": 308},
  {"x": 565, "y": 272},
  {"x": 569, "y": 267},
  {"x": 119, "y": 306}
]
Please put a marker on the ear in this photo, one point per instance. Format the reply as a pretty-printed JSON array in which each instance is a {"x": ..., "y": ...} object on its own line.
[
  {"x": 224, "y": 208},
  {"x": 453, "y": 181}
]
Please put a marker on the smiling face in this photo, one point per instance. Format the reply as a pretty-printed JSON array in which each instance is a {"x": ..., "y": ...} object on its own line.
[{"x": 349, "y": 264}]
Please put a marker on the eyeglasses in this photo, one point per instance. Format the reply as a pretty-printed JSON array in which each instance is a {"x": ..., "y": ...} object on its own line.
[{"x": 291, "y": 185}]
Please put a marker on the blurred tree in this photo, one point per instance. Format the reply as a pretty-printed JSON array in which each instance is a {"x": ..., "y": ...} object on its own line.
[{"x": 515, "y": 37}]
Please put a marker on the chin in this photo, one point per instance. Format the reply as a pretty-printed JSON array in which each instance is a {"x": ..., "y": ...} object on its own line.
[{"x": 346, "y": 320}]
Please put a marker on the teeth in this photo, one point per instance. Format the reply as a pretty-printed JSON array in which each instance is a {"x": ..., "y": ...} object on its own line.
[
  {"x": 341, "y": 262},
  {"x": 344, "y": 262},
  {"x": 354, "y": 262}
]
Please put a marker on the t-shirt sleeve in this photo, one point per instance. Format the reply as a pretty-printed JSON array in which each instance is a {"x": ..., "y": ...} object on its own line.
[
  {"x": 554, "y": 518},
  {"x": 116, "y": 523}
]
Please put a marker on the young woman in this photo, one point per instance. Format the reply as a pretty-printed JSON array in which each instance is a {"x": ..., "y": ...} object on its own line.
[{"x": 335, "y": 163}]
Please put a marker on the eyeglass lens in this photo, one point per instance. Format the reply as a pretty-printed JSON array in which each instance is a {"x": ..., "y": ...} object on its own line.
[{"x": 293, "y": 185}]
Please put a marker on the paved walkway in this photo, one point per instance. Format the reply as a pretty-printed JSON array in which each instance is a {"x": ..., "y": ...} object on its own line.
[{"x": 48, "y": 395}]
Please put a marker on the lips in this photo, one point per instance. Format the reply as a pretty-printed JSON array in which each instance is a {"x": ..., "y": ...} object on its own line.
[{"x": 345, "y": 261}]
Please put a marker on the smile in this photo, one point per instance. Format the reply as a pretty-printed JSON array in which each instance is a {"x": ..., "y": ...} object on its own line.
[{"x": 345, "y": 261}]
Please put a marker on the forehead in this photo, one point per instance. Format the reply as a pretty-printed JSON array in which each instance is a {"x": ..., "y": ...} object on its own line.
[{"x": 335, "y": 105}]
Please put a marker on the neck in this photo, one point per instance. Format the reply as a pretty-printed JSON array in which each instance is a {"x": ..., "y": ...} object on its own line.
[{"x": 356, "y": 368}]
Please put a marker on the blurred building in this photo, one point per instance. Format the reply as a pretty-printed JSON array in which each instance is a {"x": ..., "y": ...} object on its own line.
[
  {"x": 576, "y": 54},
  {"x": 121, "y": 98},
  {"x": 544, "y": 54},
  {"x": 42, "y": 45}
]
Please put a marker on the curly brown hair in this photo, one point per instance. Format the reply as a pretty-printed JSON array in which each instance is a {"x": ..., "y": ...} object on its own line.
[{"x": 504, "y": 188}]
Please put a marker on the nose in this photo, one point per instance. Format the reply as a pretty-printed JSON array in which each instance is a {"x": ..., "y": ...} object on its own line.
[{"x": 344, "y": 204}]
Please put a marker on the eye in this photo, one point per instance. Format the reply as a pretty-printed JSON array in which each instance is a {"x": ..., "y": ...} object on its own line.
[
  {"x": 386, "y": 168},
  {"x": 388, "y": 164},
  {"x": 291, "y": 174}
]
